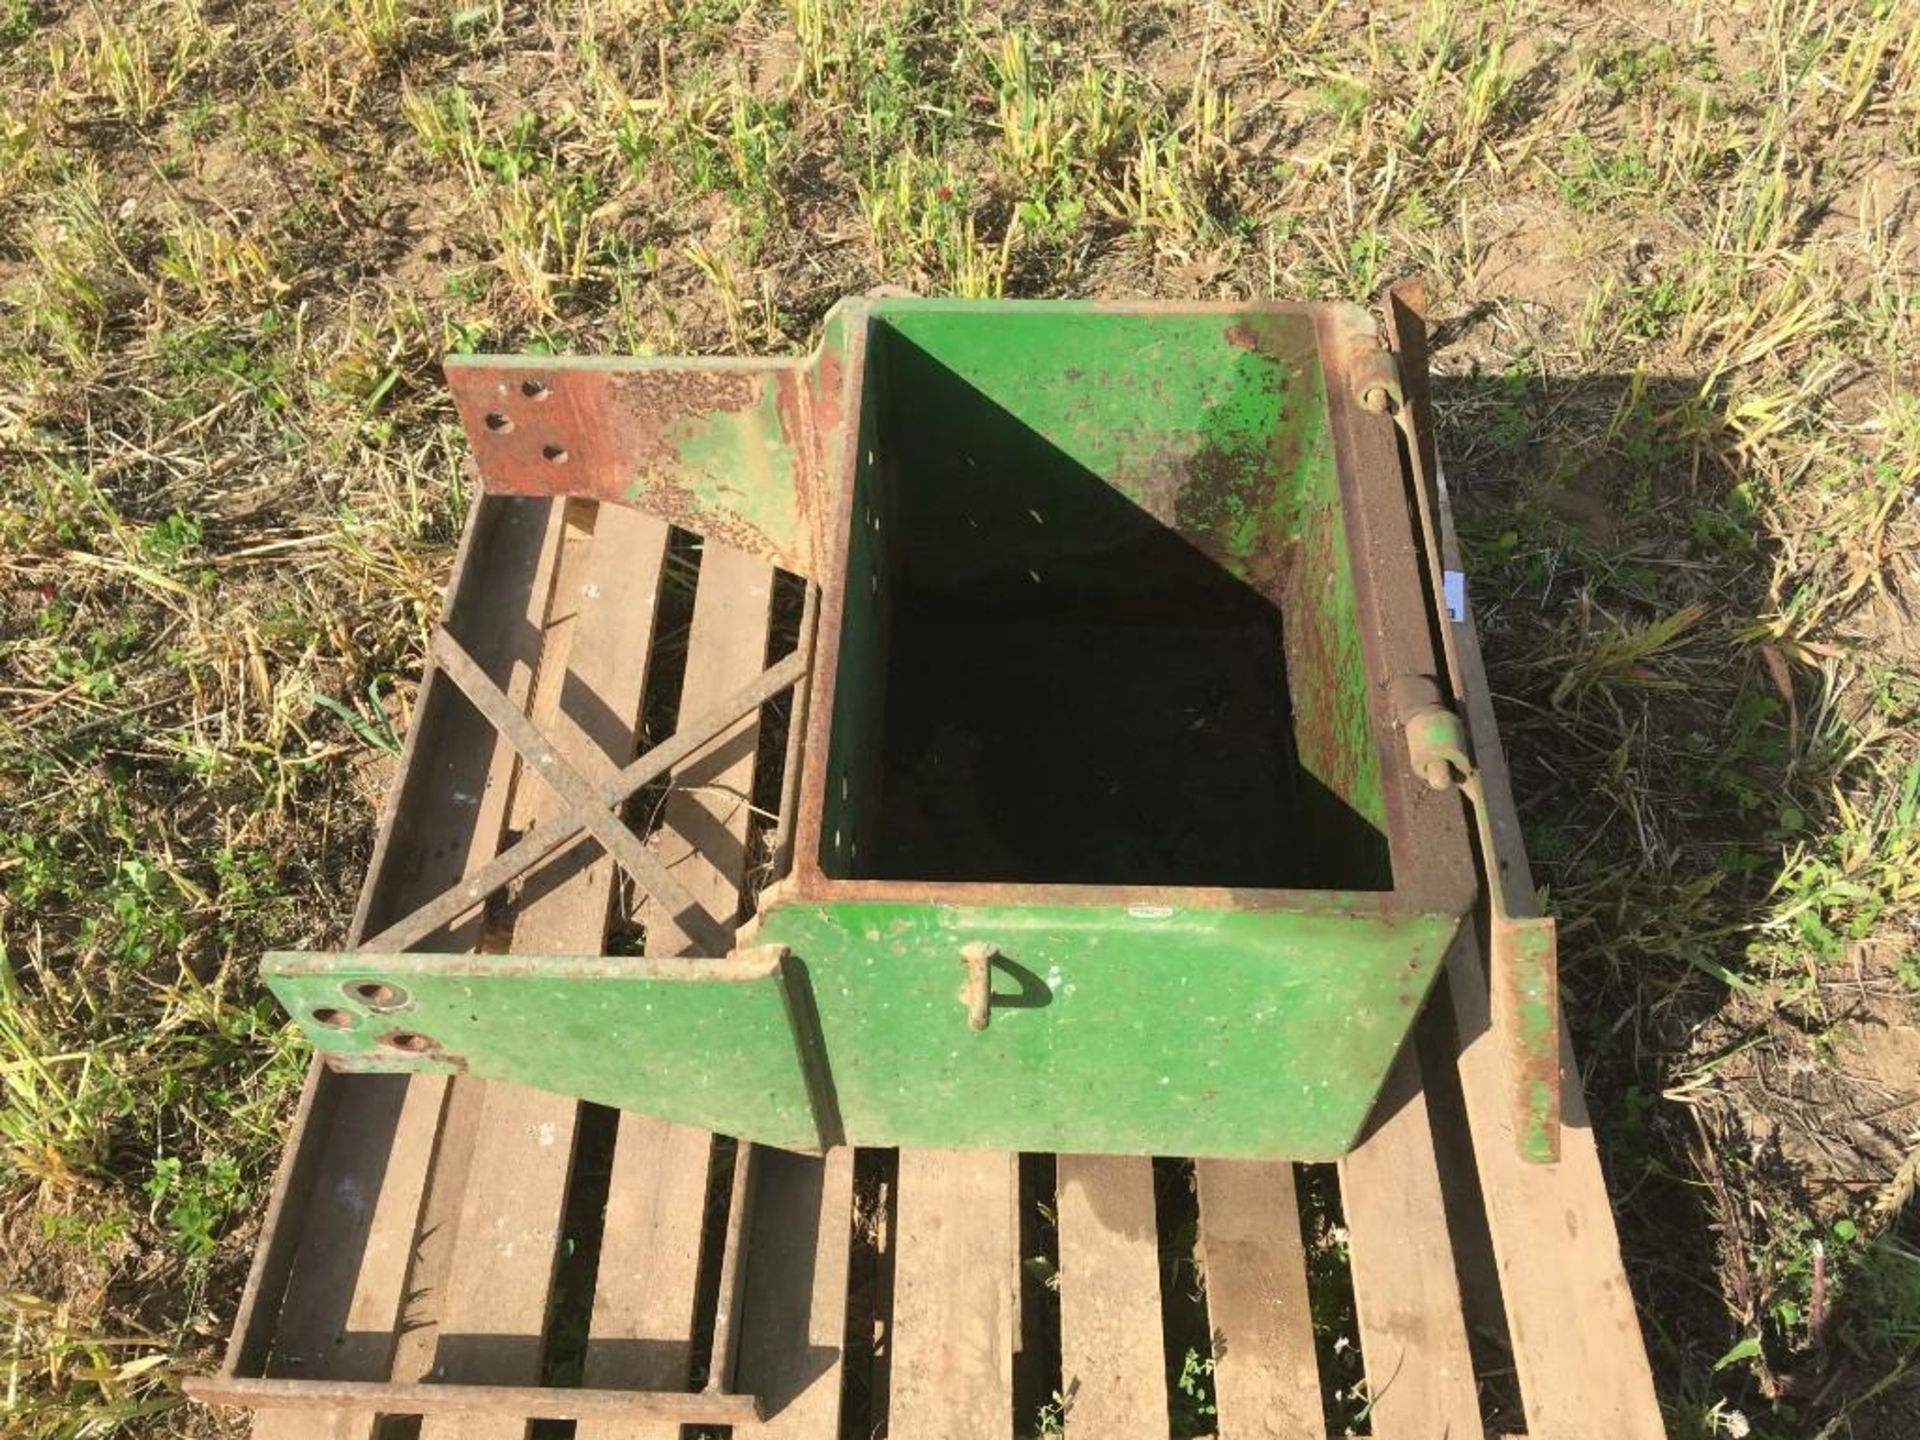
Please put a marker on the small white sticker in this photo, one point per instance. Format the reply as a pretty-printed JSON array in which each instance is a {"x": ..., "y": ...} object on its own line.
[{"x": 1453, "y": 590}]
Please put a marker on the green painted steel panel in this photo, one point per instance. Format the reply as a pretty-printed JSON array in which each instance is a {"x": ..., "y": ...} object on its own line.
[
  {"x": 1113, "y": 514},
  {"x": 1150, "y": 1030},
  {"x": 1004, "y": 446},
  {"x": 708, "y": 1043},
  {"x": 1198, "y": 418},
  {"x": 1530, "y": 970}
]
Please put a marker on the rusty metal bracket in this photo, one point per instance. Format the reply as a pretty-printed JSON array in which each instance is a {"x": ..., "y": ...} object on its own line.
[
  {"x": 742, "y": 451},
  {"x": 1523, "y": 965},
  {"x": 1371, "y": 369},
  {"x": 1376, "y": 380}
]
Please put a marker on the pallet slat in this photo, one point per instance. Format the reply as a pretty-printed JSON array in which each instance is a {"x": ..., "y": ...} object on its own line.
[
  {"x": 342, "y": 1300},
  {"x": 703, "y": 839},
  {"x": 1266, "y": 1378},
  {"x": 433, "y": 1247},
  {"x": 587, "y": 702},
  {"x": 1412, "y": 1329},
  {"x": 1587, "y": 1380},
  {"x": 505, "y": 1241},
  {"x": 1583, "y": 1381},
  {"x": 1112, "y": 1357},
  {"x": 644, "y": 1293},
  {"x": 955, "y": 1267},
  {"x": 539, "y": 1402},
  {"x": 647, "y": 1287},
  {"x": 340, "y": 1323},
  {"x": 793, "y": 1315},
  {"x": 512, "y": 548}
]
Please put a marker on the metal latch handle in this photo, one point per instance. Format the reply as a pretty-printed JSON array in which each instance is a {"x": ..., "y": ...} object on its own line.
[
  {"x": 977, "y": 993},
  {"x": 1523, "y": 987}
]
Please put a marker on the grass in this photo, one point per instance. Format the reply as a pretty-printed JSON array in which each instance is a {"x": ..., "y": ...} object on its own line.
[{"x": 1674, "y": 258}]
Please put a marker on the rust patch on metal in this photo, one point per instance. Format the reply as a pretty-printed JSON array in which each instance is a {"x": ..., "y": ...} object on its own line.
[
  {"x": 829, "y": 380},
  {"x": 646, "y": 398},
  {"x": 1214, "y": 495},
  {"x": 1317, "y": 708},
  {"x": 516, "y": 1402},
  {"x": 833, "y": 543},
  {"x": 647, "y": 436},
  {"x": 412, "y": 1042},
  {"x": 1524, "y": 1008},
  {"x": 655, "y": 411}
]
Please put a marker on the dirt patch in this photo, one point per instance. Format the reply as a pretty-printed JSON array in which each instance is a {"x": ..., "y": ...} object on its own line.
[
  {"x": 1832, "y": 1109},
  {"x": 1586, "y": 499},
  {"x": 1889, "y": 621},
  {"x": 1530, "y": 261}
]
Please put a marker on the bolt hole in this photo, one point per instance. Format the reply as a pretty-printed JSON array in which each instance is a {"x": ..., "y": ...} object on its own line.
[
  {"x": 408, "y": 1040},
  {"x": 377, "y": 994},
  {"x": 333, "y": 1019},
  {"x": 499, "y": 423},
  {"x": 556, "y": 454},
  {"x": 535, "y": 389}
]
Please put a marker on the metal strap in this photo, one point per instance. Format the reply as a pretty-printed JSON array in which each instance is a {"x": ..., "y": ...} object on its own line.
[
  {"x": 585, "y": 805},
  {"x": 587, "y": 810},
  {"x": 1523, "y": 970}
]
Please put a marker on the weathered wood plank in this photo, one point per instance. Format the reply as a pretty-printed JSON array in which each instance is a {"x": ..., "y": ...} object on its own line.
[
  {"x": 504, "y": 1247},
  {"x": 704, "y": 836},
  {"x": 443, "y": 820},
  {"x": 592, "y": 675},
  {"x": 1577, "y": 1380},
  {"x": 373, "y": 1225},
  {"x": 1589, "y": 1379},
  {"x": 1413, "y": 1334},
  {"x": 644, "y": 1298},
  {"x": 433, "y": 1247},
  {"x": 956, "y": 1270},
  {"x": 640, "y": 1335},
  {"x": 540, "y": 1402},
  {"x": 1266, "y": 1380},
  {"x": 1112, "y": 1354},
  {"x": 793, "y": 1317}
]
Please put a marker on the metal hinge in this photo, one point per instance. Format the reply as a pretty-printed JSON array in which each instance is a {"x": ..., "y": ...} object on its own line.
[{"x": 1376, "y": 382}]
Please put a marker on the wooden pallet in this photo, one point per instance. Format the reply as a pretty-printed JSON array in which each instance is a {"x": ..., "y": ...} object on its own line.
[{"x": 430, "y": 1235}]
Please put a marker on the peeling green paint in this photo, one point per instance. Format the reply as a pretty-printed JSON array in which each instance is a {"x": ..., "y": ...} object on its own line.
[
  {"x": 1107, "y": 453},
  {"x": 1531, "y": 950},
  {"x": 705, "y": 1043},
  {"x": 738, "y": 468},
  {"x": 1159, "y": 1030}
]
